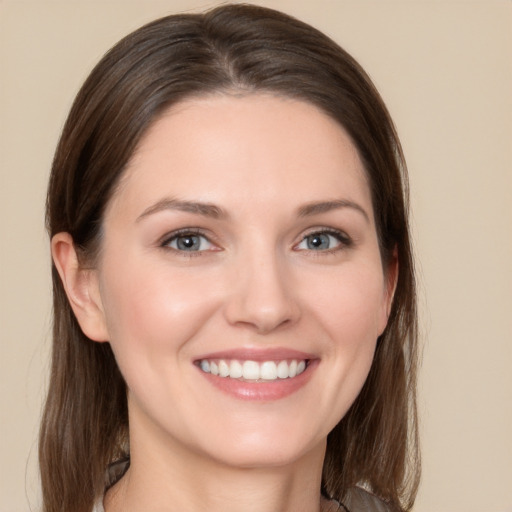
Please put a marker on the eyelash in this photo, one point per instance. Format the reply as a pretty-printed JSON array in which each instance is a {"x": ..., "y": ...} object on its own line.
[
  {"x": 344, "y": 241},
  {"x": 182, "y": 233}
]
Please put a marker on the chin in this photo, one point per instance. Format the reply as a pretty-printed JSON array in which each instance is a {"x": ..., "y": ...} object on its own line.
[{"x": 264, "y": 449}]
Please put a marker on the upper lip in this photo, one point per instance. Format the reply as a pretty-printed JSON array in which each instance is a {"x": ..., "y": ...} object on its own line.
[{"x": 259, "y": 354}]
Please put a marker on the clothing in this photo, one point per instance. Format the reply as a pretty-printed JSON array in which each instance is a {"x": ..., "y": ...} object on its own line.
[
  {"x": 359, "y": 500},
  {"x": 356, "y": 500}
]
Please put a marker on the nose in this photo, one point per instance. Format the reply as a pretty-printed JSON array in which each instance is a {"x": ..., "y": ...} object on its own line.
[{"x": 262, "y": 295}]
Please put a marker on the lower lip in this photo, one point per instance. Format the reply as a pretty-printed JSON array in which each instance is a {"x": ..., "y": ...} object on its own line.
[{"x": 262, "y": 391}]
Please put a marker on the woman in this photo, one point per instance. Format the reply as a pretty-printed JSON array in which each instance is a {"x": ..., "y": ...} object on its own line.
[{"x": 235, "y": 322}]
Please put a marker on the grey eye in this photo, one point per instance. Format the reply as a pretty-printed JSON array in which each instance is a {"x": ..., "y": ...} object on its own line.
[
  {"x": 319, "y": 242},
  {"x": 189, "y": 242}
]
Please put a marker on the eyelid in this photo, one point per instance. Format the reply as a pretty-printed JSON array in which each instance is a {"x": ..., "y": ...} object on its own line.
[
  {"x": 171, "y": 236},
  {"x": 345, "y": 241}
]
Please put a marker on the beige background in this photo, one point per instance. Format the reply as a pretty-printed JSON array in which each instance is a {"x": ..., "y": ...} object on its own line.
[{"x": 444, "y": 69}]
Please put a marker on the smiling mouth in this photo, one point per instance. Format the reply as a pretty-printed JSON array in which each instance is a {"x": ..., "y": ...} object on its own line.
[{"x": 253, "y": 371}]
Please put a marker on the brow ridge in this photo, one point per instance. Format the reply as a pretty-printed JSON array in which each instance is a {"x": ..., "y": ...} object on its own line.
[
  {"x": 195, "y": 207},
  {"x": 319, "y": 207},
  {"x": 214, "y": 211}
]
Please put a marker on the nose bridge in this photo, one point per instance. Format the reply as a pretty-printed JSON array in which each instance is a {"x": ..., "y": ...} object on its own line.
[{"x": 263, "y": 294}]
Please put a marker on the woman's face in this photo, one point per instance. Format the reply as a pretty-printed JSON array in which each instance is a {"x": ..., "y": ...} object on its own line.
[{"x": 241, "y": 241}]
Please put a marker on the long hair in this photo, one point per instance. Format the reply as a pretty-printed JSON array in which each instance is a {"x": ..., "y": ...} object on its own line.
[{"x": 242, "y": 49}]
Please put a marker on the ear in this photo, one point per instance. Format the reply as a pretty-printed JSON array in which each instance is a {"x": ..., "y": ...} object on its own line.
[
  {"x": 81, "y": 286},
  {"x": 391, "y": 280}
]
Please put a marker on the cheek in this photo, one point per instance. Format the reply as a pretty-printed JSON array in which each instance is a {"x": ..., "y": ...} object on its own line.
[
  {"x": 349, "y": 308},
  {"x": 151, "y": 313},
  {"x": 352, "y": 304}
]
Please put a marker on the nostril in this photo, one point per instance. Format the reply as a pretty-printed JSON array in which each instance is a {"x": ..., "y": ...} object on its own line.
[{"x": 262, "y": 317}]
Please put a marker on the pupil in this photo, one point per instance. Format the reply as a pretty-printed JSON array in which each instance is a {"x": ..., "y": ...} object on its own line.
[{"x": 318, "y": 242}]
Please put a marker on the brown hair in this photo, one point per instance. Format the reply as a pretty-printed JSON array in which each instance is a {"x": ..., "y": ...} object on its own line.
[{"x": 243, "y": 49}]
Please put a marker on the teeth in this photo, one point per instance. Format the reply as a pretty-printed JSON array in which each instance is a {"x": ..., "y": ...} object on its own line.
[
  {"x": 282, "y": 370},
  {"x": 292, "y": 370},
  {"x": 252, "y": 370},
  {"x": 268, "y": 370},
  {"x": 223, "y": 369},
  {"x": 235, "y": 370}
]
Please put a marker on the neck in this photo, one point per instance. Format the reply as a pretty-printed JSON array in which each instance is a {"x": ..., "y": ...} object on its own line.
[{"x": 176, "y": 479}]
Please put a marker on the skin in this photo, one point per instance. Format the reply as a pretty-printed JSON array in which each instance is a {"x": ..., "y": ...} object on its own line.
[{"x": 258, "y": 281}]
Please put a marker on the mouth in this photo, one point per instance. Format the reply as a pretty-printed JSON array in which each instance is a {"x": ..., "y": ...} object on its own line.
[
  {"x": 260, "y": 375},
  {"x": 254, "y": 371}
]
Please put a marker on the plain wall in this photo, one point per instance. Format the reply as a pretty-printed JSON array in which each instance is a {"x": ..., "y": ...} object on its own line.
[{"x": 444, "y": 69}]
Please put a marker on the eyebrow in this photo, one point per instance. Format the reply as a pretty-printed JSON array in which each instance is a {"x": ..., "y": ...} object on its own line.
[
  {"x": 198, "y": 208},
  {"x": 327, "y": 206},
  {"x": 211, "y": 210}
]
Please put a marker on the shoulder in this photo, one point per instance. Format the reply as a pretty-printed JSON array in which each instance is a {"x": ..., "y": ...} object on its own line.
[
  {"x": 358, "y": 499},
  {"x": 114, "y": 473}
]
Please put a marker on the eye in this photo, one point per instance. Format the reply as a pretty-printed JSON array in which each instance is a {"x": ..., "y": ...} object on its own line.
[
  {"x": 188, "y": 242},
  {"x": 323, "y": 241}
]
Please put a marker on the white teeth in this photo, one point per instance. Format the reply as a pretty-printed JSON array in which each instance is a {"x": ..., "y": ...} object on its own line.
[
  {"x": 292, "y": 370},
  {"x": 235, "y": 370},
  {"x": 223, "y": 368},
  {"x": 268, "y": 370},
  {"x": 252, "y": 370},
  {"x": 282, "y": 370}
]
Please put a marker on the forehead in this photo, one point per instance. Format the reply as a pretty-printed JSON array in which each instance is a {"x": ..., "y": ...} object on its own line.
[{"x": 251, "y": 148}]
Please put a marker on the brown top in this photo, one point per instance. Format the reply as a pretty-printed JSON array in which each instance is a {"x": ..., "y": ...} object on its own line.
[{"x": 360, "y": 500}]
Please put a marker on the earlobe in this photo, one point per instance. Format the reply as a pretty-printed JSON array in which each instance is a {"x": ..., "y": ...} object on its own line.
[
  {"x": 391, "y": 278},
  {"x": 81, "y": 287}
]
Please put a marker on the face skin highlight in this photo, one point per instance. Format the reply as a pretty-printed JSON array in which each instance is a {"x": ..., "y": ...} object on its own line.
[{"x": 242, "y": 230}]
